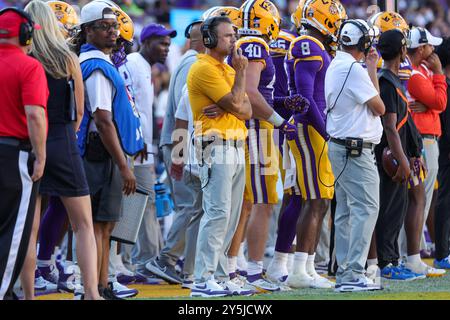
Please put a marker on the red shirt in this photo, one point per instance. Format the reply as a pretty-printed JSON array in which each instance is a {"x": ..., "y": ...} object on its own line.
[
  {"x": 431, "y": 90},
  {"x": 22, "y": 82}
]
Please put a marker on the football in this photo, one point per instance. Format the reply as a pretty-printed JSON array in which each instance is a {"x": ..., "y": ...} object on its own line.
[{"x": 390, "y": 164}]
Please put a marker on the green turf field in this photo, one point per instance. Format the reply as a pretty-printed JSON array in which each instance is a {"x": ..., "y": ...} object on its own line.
[{"x": 426, "y": 289}]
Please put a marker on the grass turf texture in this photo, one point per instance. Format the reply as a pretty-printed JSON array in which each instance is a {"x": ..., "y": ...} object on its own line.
[{"x": 426, "y": 289}]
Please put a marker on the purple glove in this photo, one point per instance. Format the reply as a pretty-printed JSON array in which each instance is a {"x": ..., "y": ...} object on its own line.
[
  {"x": 297, "y": 103},
  {"x": 119, "y": 57},
  {"x": 289, "y": 130}
]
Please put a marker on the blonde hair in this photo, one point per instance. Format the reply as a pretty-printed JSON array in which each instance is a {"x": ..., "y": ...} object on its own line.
[{"x": 49, "y": 45}]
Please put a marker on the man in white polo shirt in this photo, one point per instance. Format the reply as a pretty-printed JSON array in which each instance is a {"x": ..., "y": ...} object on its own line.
[{"x": 354, "y": 107}]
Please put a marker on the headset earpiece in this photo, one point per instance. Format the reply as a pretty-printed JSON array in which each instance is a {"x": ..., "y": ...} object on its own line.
[
  {"x": 188, "y": 30},
  {"x": 209, "y": 37},
  {"x": 365, "y": 42},
  {"x": 26, "y": 28}
]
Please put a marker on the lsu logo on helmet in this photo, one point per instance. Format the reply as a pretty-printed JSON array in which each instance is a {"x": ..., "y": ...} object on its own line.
[
  {"x": 388, "y": 20},
  {"x": 259, "y": 18},
  {"x": 65, "y": 13},
  {"x": 324, "y": 15},
  {"x": 230, "y": 12},
  {"x": 126, "y": 26}
]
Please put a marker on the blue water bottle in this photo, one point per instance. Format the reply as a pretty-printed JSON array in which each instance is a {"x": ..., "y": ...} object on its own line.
[{"x": 162, "y": 200}]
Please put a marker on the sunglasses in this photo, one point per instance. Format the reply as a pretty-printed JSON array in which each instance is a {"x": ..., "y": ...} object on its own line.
[{"x": 106, "y": 26}]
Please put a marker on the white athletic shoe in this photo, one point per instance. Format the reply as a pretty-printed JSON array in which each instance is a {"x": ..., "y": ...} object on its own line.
[
  {"x": 262, "y": 285},
  {"x": 42, "y": 285},
  {"x": 423, "y": 268},
  {"x": 237, "y": 287},
  {"x": 209, "y": 289},
  {"x": 320, "y": 282},
  {"x": 299, "y": 280}
]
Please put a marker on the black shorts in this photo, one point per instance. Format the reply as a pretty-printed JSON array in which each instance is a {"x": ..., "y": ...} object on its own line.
[
  {"x": 105, "y": 184},
  {"x": 64, "y": 172}
]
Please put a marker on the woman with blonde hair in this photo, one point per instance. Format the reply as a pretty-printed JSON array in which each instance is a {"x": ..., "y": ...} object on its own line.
[{"x": 64, "y": 174}]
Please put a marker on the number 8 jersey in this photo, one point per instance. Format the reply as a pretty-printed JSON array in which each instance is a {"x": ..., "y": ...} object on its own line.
[{"x": 256, "y": 50}]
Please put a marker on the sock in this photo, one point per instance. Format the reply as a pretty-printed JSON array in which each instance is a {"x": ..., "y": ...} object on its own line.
[
  {"x": 242, "y": 264},
  {"x": 254, "y": 268},
  {"x": 232, "y": 264},
  {"x": 290, "y": 263},
  {"x": 43, "y": 263},
  {"x": 51, "y": 225},
  {"x": 278, "y": 265},
  {"x": 310, "y": 265},
  {"x": 300, "y": 259},
  {"x": 287, "y": 225},
  {"x": 414, "y": 259},
  {"x": 372, "y": 262}
]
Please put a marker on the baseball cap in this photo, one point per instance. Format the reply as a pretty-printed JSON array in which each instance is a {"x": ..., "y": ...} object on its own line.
[
  {"x": 350, "y": 33},
  {"x": 96, "y": 10},
  {"x": 421, "y": 36},
  {"x": 390, "y": 43},
  {"x": 155, "y": 29},
  {"x": 10, "y": 22}
]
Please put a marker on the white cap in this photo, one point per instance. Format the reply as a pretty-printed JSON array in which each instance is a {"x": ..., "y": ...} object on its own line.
[
  {"x": 354, "y": 33},
  {"x": 95, "y": 11},
  {"x": 421, "y": 36}
]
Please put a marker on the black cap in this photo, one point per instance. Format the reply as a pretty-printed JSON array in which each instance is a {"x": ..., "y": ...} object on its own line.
[{"x": 390, "y": 43}]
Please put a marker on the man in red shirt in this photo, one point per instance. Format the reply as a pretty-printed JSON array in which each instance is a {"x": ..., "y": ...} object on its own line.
[
  {"x": 23, "y": 132},
  {"x": 428, "y": 88}
]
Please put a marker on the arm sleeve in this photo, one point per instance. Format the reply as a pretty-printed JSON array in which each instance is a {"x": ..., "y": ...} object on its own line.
[
  {"x": 34, "y": 85},
  {"x": 305, "y": 74},
  {"x": 99, "y": 89},
  {"x": 389, "y": 96},
  {"x": 361, "y": 88},
  {"x": 432, "y": 94},
  {"x": 211, "y": 83}
]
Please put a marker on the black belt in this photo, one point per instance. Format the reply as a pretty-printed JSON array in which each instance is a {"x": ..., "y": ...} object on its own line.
[
  {"x": 367, "y": 145},
  {"x": 430, "y": 136},
  {"x": 10, "y": 141},
  {"x": 229, "y": 142}
]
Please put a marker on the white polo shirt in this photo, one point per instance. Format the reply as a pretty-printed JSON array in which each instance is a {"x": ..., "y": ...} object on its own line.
[{"x": 350, "y": 117}]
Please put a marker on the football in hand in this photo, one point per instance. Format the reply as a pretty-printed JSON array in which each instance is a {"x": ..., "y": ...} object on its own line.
[{"x": 390, "y": 164}]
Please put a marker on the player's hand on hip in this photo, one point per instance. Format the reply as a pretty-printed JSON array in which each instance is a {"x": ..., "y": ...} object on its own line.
[{"x": 213, "y": 111}]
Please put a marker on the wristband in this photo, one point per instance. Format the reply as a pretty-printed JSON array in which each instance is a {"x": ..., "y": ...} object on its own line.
[{"x": 276, "y": 119}]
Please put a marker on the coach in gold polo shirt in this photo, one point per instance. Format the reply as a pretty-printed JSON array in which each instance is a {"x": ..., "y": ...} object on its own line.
[{"x": 219, "y": 108}]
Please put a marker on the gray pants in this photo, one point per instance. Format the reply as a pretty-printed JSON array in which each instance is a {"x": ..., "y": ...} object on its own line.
[
  {"x": 431, "y": 160},
  {"x": 149, "y": 240},
  {"x": 357, "y": 205},
  {"x": 182, "y": 236},
  {"x": 223, "y": 193}
]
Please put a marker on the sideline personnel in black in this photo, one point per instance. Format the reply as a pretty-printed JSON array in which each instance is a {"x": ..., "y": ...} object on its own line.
[{"x": 23, "y": 131}]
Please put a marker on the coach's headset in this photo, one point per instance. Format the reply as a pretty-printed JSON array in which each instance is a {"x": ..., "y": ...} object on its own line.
[
  {"x": 210, "y": 39},
  {"x": 188, "y": 30},
  {"x": 364, "y": 43},
  {"x": 26, "y": 28}
]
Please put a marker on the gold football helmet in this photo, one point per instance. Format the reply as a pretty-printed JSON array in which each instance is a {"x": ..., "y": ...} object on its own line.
[
  {"x": 388, "y": 20},
  {"x": 259, "y": 18},
  {"x": 325, "y": 16},
  {"x": 66, "y": 15},
  {"x": 230, "y": 12},
  {"x": 126, "y": 26}
]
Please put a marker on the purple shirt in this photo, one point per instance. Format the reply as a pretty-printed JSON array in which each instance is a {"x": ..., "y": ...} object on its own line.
[{"x": 311, "y": 62}]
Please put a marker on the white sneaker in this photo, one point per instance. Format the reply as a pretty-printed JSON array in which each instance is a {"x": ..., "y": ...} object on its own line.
[
  {"x": 40, "y": 284},
  {"x": 423, "y": 268},
  {"x": 262, "y": 285},
  {"x": 122, "y": 291},
  {"x": 373, "y": 272},
  {"x": 320, "y": 282},
  {"x": 299, "y": 280},
  {"x": 237, "y": 287},
  {"x": 209, "y": 289}
]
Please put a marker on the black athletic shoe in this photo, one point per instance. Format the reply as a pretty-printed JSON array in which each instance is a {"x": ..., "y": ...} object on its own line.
[{"x": 107, "y": 293}]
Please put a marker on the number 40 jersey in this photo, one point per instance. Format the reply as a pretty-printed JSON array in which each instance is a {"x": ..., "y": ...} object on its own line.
[{"x": 257, "y": 50}]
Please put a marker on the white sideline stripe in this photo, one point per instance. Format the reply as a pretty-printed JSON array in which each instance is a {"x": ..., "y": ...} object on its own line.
[{"x": 27, "y": 184}]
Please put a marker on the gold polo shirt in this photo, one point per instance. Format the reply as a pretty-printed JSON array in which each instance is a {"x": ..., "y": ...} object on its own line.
[{"x": 209, "y": 81}]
